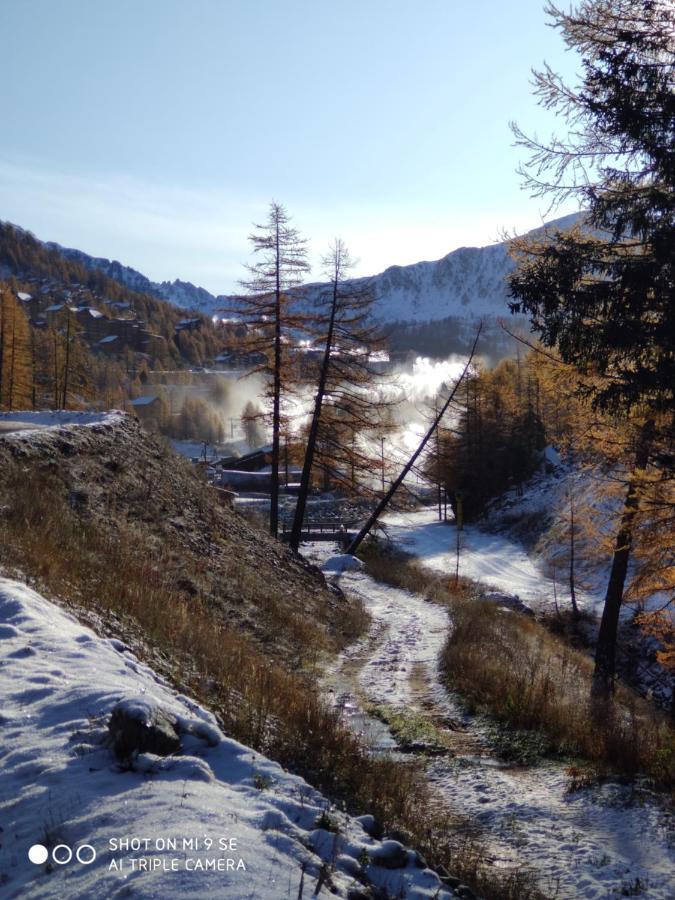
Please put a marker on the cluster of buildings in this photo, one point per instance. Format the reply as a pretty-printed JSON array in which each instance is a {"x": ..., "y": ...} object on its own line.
[{"x": 108, "y": 332}]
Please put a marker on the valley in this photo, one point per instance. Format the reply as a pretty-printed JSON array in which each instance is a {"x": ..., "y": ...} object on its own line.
[{"x": 337, "y": 450}]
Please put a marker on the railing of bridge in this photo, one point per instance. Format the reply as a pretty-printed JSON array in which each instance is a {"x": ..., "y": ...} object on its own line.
[{"x": 318, "y": 531}]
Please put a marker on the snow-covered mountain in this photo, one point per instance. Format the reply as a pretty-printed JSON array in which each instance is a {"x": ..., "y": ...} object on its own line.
[{"x": 467, "y": 283}]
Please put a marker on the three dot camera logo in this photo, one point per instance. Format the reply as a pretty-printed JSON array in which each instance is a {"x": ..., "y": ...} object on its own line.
[{"x": 62, "y": 854}]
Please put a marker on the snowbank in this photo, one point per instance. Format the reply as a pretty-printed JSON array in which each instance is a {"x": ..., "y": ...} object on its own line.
[
  {"x": 216, "y": 820},
  {"x": 492, "y": 559},
  {"x": 52, "y": 418},
  {"x": 343, "y": 562}
]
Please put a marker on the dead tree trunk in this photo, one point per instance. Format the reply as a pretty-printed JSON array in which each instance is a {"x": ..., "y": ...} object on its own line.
[{"x": 573, "y": 593}]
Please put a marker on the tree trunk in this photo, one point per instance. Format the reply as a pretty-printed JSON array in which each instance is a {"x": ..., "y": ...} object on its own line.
[
  {"x": 573, "y": 594},
  {"x": 276, "y": 404},
  {"x": 296, "y": 532},
  {"x": 12, "y": 362},
  {"x": 66, "y": 365},
  {"x": 605, "y": 653}
]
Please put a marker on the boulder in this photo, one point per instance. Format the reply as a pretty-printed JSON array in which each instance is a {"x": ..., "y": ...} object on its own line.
[
  {"x": 138, "y": 726},
  {"x": 371, "y": 826},
  {"x": 390, "y": 855}
]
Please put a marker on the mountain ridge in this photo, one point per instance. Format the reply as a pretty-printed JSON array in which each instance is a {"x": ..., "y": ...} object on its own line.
[{"x": 467, "y": 281}]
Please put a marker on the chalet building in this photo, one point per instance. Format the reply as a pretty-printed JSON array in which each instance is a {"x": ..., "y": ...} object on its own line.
[
  {"x": 108, "y": 344},
  {"x": 55, "y": 312},
  {"x": 148, "y": 410},
  {"x": 94, "y": 324},
  {"x": 151, "y": 343},
  {"x": 188, "y": 324},
  {"x": 127, "y": 331}
]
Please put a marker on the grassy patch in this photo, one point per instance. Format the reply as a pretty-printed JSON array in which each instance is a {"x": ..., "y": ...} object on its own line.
[
  {"x": 401, "y": 570},
  {"x": 411, "y": 730},
  {"x": 513, "y": 668},
  {"x": 518, "y": 745}
]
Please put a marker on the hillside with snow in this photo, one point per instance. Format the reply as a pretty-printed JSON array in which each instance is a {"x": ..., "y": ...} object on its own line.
[
  {"x": 213, "y": 818},
  {"x": 466, "y": 284}
]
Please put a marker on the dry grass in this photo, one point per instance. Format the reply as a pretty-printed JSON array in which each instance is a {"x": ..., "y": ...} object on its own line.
[
  {"x": 516, "y": 670},
  {"x": 402, "y": 571},
  {"x": 117, "y": 577},
  {"x": 513, "y": 668}
]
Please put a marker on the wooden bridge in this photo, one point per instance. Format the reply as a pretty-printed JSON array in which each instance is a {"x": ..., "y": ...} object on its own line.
[{"x": 319, "y": 531}]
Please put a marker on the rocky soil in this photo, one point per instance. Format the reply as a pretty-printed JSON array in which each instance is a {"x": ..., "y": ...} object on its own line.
[{"x": 119, "y": 479}]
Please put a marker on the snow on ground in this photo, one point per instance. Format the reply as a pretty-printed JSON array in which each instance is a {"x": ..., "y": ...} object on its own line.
[
  {"x": 491, "y": 559},
  {"x": 590, "y": 844},
  {"x": 18, "y": 421},
  {"x": 167, "y": 827}
]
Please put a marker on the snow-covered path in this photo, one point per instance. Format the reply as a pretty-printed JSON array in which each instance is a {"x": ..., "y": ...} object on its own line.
[
  {"x": 590, "y": 844},
  {"x": 489, "y": 558}
]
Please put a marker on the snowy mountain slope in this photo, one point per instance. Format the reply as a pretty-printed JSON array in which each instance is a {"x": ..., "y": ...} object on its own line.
[
  {"x": 467, "y": 283},
  {"x": 164, "y": 826}
]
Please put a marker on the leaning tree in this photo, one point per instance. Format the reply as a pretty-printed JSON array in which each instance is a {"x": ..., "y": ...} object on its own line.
[{"x": 347, "y": 408}]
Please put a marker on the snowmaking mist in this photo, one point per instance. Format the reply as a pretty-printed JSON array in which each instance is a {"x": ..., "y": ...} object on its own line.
[
  {"x": 415, "y": 389},
  {"x": 409, "y": 389}
]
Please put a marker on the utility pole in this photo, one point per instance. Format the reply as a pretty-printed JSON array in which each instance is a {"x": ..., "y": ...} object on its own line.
[{"x": 382, "y": 461}]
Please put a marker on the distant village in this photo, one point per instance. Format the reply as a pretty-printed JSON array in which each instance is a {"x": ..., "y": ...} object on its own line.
[{"x": 110, "y": 331}]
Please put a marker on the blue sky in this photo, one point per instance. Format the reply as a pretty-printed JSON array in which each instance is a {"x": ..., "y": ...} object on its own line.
[{"x": 157, "y": 131}]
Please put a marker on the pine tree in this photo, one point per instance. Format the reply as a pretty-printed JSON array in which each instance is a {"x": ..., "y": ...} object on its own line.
[
  {"x": 268, "y": 312},
  {"x": 604, "y": 295}
]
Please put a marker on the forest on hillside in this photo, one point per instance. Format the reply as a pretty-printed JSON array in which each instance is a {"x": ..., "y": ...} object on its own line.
[{"x": 71, "y": 336}]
